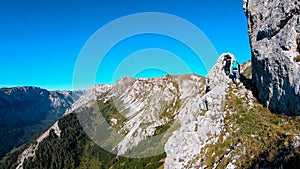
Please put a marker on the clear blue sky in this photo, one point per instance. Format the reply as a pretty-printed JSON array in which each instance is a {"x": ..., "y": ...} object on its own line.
[{"x": 40, "y": 40}]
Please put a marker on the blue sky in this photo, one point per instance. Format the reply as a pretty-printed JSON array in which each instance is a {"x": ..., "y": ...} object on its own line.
[{"x": 41, "y": 40}]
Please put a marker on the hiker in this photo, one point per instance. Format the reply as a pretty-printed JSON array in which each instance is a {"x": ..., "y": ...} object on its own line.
[
  {"x": 207, "y": 87},
  {"x": 226, "y": 64},
  {"x": 234, "y": 71}
]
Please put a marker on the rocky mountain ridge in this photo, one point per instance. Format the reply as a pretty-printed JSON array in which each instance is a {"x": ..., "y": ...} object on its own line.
[
  {"x": 89, "y": 95},
  {"x": 138, "y": 107},
  {"x": 224, "y": 127},
  {"x": 199, "y": 122}
]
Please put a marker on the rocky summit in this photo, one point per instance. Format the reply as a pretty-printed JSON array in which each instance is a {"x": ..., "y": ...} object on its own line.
[
  {"x": 274, "y": 31},
  {"x": 202, "y": 122}
]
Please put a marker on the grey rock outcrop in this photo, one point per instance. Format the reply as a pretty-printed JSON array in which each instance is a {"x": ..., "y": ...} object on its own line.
[
  {"x": 274, "y": 31},
  {"x": 201, "y": 125}
]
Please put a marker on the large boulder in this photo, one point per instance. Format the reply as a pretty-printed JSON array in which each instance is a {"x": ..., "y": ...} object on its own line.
[{"x": 274, "y": 32}]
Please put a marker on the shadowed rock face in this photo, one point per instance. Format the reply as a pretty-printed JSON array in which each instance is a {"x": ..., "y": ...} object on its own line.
[
  {"x": 26, "y": 111},
  {"x": 274, "y": 31}
]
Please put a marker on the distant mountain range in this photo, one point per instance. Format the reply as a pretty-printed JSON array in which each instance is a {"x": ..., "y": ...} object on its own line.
[{"x": 26, "y": 111}]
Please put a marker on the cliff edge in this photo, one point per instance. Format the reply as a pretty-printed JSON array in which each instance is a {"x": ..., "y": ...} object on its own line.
[{"x": 274, "y": 33}]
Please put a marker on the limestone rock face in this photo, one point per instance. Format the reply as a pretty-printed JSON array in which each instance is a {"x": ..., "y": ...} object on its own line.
[
  {"x": 198, "y": 129},
  {"x": 274, "y": 31}
]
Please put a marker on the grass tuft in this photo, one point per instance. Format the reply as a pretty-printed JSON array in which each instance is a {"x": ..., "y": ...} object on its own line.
[{"x": 297, "y": 58}]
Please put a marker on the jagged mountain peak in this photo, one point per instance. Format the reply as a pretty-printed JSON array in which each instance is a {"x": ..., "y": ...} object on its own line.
[
  {"x": 154, "y": 84},
  {"x": 139, "y": 106},
  {"x": 21, "y": 93},
  {"x": 9, "y": 89},
  {"x": 89, "y": 95}
]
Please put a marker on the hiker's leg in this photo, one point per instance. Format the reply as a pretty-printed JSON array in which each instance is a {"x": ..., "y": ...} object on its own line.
[
  {"x": 225, "y": 70},
  {"x": 228, "y": 70},
  {"x": 235, "y": 75},
  {"x": 231, "y": 76}
]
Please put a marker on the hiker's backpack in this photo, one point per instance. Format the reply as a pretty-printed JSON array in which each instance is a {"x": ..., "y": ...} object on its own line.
[{"x": 228, "y": 60}]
